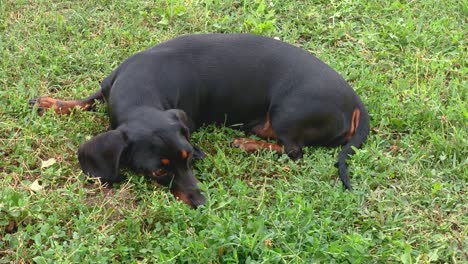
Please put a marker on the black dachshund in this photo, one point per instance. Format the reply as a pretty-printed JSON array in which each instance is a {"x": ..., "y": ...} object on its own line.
[{"x": 158, "y": 96}]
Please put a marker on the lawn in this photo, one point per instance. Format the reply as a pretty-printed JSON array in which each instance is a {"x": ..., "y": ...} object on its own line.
[{"x": 406, "y": 59}]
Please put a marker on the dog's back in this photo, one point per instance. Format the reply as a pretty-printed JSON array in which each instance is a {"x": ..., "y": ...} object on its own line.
[{"x": 223, "y": 78}]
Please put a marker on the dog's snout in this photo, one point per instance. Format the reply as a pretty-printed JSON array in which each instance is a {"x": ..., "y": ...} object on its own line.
[
  {"x": 193, "y": 198},
  {"x": 197, "y": 200}
]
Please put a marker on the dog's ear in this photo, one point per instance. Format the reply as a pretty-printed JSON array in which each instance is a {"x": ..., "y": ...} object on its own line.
[
  {"x": 100, "y": 156},
  {"x": 187, "y": 124}
]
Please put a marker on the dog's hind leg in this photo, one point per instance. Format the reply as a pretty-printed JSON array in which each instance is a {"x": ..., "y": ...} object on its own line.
[
  {"x": 263, "y": 130},
  {"x": 252, "y": 145},
  {"x": 65, "y": 106}
]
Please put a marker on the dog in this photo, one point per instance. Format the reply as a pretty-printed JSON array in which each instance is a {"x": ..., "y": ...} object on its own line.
[{"x": 158, "y": 96}]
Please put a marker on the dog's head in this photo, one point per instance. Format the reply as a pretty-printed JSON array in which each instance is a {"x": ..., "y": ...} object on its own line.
[{"x": 149, "y": 141}]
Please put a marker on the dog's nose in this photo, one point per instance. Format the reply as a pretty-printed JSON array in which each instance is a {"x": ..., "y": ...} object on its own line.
[
  {"x": 192, "y": 198},
  {"x": 197, "y": 200}
]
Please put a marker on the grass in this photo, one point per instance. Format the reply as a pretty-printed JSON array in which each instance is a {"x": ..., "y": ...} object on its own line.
[{"x": 406, "y": 59}]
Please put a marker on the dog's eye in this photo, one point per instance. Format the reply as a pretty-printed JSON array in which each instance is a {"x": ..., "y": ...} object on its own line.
[
  {"x": 165, "y": 162},
  {"x": 184, "y": 154}
]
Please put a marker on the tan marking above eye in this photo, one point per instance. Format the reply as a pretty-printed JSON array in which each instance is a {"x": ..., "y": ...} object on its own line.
[
  {"x": 165, "y": 162},
  {"x": 184, "y": 154}
]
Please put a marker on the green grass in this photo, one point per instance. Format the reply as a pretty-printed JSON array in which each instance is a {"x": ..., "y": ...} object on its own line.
[{"x": 406, "y": 59}]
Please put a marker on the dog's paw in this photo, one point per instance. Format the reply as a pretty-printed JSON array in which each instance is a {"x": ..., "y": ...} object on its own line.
[
  {"x": 242, "y": 143},
  {"x": 42, "y": 104},
  {"x": 252, "y": 145}
]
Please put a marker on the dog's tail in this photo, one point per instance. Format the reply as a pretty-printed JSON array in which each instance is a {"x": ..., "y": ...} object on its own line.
[{"x": 360, "y": 135}]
